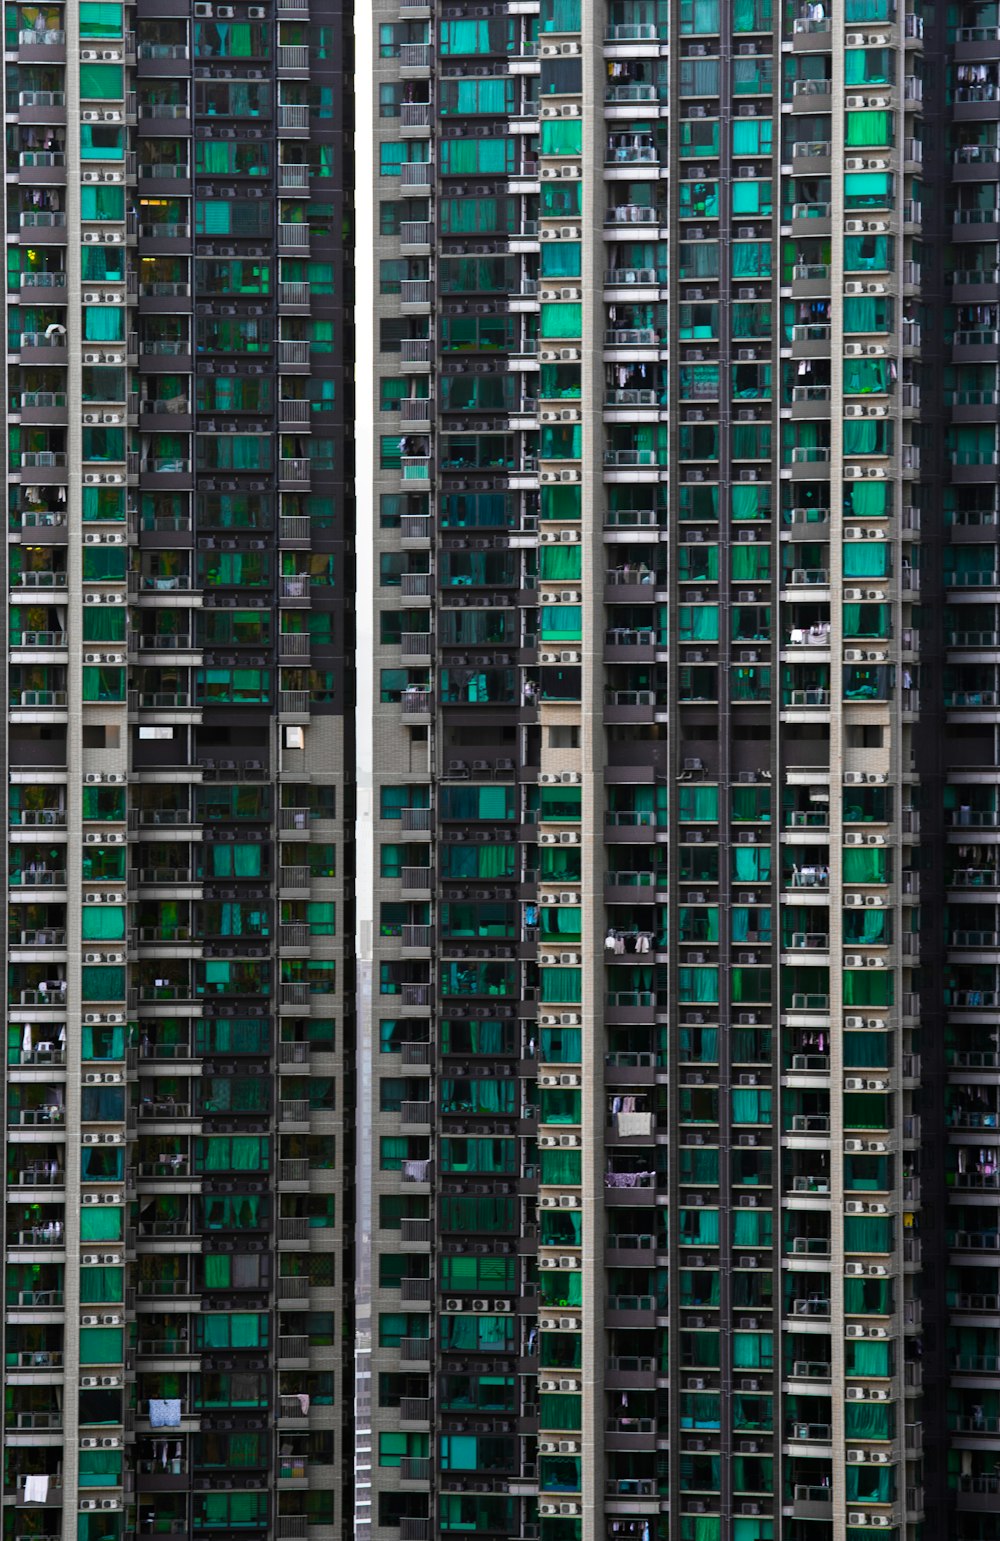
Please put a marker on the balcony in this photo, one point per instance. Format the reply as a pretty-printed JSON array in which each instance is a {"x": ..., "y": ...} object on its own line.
[
  {"x": 811, "y": 149},
  {"x": 978, "y": 1493},
  {"x": 634, "y": 214},
  {"x": 293, "y": 117},
  {"x": 812, "y": 1503},
  {"x": 619, "y": 95},
  {"x": 415, "y": 293},
  {"x": 293, "y": 237},
  {"x": 417, "y": 174},
  {"x": 415, "y": 56},
  {"x": 294, "y": 352},
  {"x": 294, "y": 471},
  {"x": 632, "y": 337},
  {"x": 415, "y": 1409},
  {"x": 415, "y": 350},
  {"x": 42, "y": 219},
  {"x": 416, "y": 704},
  {"x": 166, "y": 230},
  {"x": 43, "y": 280}
]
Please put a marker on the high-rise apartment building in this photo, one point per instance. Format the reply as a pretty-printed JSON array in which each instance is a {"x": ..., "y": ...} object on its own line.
[
  {"x": 179, "y": 1067},
  {"x": 686, "y": 1194}
]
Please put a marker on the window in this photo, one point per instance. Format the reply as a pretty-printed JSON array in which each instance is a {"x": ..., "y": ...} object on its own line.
[
  {"x": 564, "y": 738},
  {"x": 100, "y": 20},
  {"x": 102, "y": 82}
]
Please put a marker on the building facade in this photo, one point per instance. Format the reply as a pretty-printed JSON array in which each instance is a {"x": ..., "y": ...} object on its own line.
[
  {"x": 685, "y": 982},
  {"x": 179, "y": 1067}
]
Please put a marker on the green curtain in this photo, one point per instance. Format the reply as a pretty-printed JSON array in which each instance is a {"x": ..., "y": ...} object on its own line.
[
  {"x": 560, "y": 1412},
  {"x": 752, "y": 136},
  {"x": 101, "y": 1345},
  {"x": 868, "y": 128},
  {"x": 218, "y": 1271},
  {"x": 561, "y": 563},
  {"x": 561, "y": 136},
  {"x": 102, "y": 203},
  {"x": 864, "y": 377},
  {"x": 563, "y": 622},
  {"x": 101, "y": 623},
  {"x": 751, "y": 1227},
  {"x": 103, "y": 324},
  {"x": 862, "y": 1050},
  {"x": 561, "y": 1168},
  {"x": 861, "y": 1299},
  {"x": 872, "y": 66},
  {"x": 100, "y": 20},
  {"x": 861, "y": 437},
  {"x": 751, "y": 1106},
  {"x": 862, "y": 315},
  {"x": 865, "y": 865},
  {"x": 100, "y": 1468},
  {"x": 868, "y": 1358},
  {"x": 562, "y": 320},
  {"x": 101, "y": 1285},
  {"x": 868, "y": 1420},
  {"x": 698, "y": 984},
  {"x": 747, "y": 502},
  {"x": 867, "y": 500},
  {"x": 700, "y": 1225},
  {"x": 867, "y": 988},
  {"x": 863, "y": 189},
  {"x": 561, "y": 984},
  {"x": 869, "y": 1484},
  {"x": 698, "y": 804},
  {"x": 750, "y": 1412},
  {"x": 872, "y": 926},
  {"x": 752, "y": 1350},
  {"x": 103, "y": 923},
  {"x": 698, "y": 623},
  {"x": 866, "y": 253},
  {"x": 102, "y": 984},
  {"x": 751, "y": 562},
  {"x": 751, "y": 865},
  {"x": 110, "y": 1045},
  {"x": 867, "y": 1233}
]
